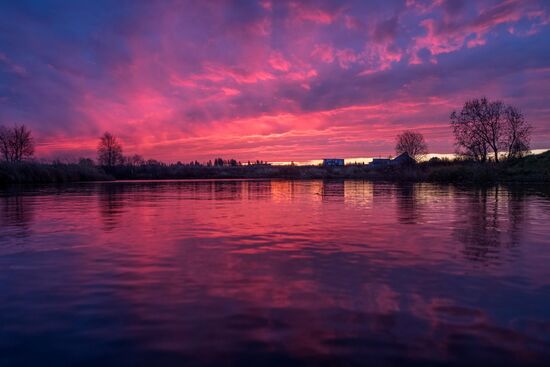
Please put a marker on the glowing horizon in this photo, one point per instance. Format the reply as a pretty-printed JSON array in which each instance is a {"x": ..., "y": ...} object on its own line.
[{"x": 275, "y": 81}]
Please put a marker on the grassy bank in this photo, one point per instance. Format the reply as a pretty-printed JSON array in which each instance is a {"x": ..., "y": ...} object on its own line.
[
  {"x": 29, "y": 172},
  {"x": 535, "y": 168}
]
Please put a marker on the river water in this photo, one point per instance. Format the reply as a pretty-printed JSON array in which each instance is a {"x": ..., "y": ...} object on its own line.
[{"x": 274, "y": 272}]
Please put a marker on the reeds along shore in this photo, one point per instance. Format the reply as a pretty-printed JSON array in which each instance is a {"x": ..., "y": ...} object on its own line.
[{"x": 532, "y": 168}]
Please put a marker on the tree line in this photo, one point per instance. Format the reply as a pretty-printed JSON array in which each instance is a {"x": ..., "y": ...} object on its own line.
[
  {"x": 483, "y": 130},
  {"x": 16, "y": 143},
  {"x": 110, "y": 154},
  {"x": 486, "y": 127}
]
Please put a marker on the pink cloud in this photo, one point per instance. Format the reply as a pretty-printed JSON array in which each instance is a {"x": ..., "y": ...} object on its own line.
[
  {"x": 304, "y": 13},
  {"x": 449, "y": 34},
  {"x": 278, "y": 62},
  {"x": 13, "y": 67},
  {"x": 275, "y": 81},
  {"x": 324, "y": 52},
  {"x": 219, "y": 73},
  {"x": 346, "y": 57}
]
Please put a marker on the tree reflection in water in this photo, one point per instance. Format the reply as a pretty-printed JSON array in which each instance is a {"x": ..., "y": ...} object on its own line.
[
  {"x": 490, "y": 220},
  {"x": 17, "y": 212},
  {"x": 111, "y": 203}
]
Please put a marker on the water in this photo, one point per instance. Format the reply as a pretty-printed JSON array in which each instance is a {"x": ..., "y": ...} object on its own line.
[{"x": 265, "y": 273}]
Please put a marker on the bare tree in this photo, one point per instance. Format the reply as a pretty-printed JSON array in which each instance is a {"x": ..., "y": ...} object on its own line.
[
  {"x": 518, "y": 133},
  {"x": 478, "y": 128},
  {"x": 86, "y": 162},
  {"x": 109, "y": 150},
  {"x": 23, "y": 143},
  {"x": 468, "y": 143},
  {"x": 5, "y": 143},
  {"x": 483, "y": 126},
  {"x": 136, "y": 160},
  {"x": 16, "y": 143},
  {"x": 412, "y": 143}
]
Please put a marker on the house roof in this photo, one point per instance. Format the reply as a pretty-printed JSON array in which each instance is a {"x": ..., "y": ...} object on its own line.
[{"x": 404, "y": 157}]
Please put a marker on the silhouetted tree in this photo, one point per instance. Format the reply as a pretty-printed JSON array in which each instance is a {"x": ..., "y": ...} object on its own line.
[
  {"x": 5, "y": 143},
  {"x": 136, "y": 160},
  {"x": 109, "y": 150},
  {"x": 412, "y": 143},
  {"x": 86, "y": 162},
  {"x": 16, "y": 143},
  {"x": 517, "y": 133},
  {"x": 153, "y": 162},
  {"x": 482, "y": 126},
  {"x": 469, "y": 144}
]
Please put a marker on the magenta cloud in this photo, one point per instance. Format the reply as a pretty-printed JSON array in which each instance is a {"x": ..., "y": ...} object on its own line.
[{"x": 271, "y": 80}]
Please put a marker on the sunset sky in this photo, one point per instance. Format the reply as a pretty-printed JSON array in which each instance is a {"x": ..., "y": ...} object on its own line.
[{"x": 270, "y": 80}]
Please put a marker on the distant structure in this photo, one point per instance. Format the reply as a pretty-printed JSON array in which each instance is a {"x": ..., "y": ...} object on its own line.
[
  {"x": 402, "y": 159},
  {"x": 379, "y": 162},
  {"x": 328, "y": 162}
]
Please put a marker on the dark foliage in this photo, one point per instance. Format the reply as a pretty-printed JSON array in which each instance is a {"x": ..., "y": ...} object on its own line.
[
  {"x": 109, "y": 150},
  {"x": 16, "y": 143},
  {"x": 412, "y": 143},
  {"x": 533, "y": 168},
  {"x": 29, "y": 172},
  {"x": 483, "y": 127}
]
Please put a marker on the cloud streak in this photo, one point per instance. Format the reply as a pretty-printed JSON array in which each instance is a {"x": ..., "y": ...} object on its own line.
[{"x": 281, "y": 80}]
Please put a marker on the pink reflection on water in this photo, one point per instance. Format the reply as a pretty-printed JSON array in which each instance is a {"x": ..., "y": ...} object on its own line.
[{"x": 310, "y": 268}]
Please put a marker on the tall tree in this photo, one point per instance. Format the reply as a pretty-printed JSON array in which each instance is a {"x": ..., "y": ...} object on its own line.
[
  {"x": 412, "y": 143},
  {"x": 136, "y": 160},
  {"x": 484, "y": 126},
  {"x": 468, "y": 143},
  {"x": 5, "y": 143},
  {"x": 109, "y": 150},
  {"x": 16, "y": 143},
  {"x": 517, "y": 132}
]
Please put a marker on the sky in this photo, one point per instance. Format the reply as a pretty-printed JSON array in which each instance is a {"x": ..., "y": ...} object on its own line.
[{"x": 270, "y": 80}]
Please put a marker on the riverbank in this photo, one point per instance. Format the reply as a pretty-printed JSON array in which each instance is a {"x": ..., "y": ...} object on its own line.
[{"x": 533, "y": 168}]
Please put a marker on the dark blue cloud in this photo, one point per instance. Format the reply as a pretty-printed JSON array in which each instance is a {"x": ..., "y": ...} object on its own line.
[{"x": 145, "y": 69}]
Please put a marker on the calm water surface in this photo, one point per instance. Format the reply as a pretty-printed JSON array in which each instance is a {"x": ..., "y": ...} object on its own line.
[{"x": 274, "y": 273}]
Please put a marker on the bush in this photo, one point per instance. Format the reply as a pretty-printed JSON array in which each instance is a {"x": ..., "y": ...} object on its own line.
[
  {"x": 534, "y": 168},
  {"x": 30, "y": 172}
]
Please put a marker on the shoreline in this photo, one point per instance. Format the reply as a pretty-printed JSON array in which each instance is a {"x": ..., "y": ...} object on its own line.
[{"x": 530, "y": 169}]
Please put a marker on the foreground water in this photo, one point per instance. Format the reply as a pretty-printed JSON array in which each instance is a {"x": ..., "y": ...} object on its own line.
[{"x": 274, "y": 273}]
